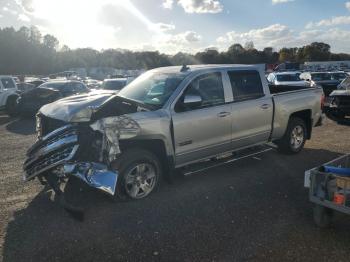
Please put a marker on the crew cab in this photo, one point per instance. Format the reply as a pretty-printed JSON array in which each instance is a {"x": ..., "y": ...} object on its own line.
[
  {"x": 8, "y": 94},
  {"x": 166, "y": 119}
]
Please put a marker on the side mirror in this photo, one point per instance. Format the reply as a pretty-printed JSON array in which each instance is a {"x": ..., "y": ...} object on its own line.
[{"x": 192, "y": 101}]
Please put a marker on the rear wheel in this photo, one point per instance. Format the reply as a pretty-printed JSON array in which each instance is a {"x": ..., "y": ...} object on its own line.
[
  {"x": 294, "y": 139},
  {"x": 139, "y": 174}
]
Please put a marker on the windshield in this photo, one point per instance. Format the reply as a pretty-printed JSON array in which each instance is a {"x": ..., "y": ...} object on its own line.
[
  {"x": 321, "y": 77},
  {"x": 113, "y": 84},
  {"x": 339, "y": 76},
  {"x": 152, "y": 88},
  {"x": 288, "y": 78}
]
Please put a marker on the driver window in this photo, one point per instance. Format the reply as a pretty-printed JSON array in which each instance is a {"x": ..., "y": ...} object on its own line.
[{"x": 209, "y": 87}]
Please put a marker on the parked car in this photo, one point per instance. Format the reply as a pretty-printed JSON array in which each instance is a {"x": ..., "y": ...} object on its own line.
[
  {"x": 114, "y": 84},
  {"x": 338, "y": 75},
  {"x": 323, "y": 79},
  {"x": 30, "y": 101},
  {"x": 8, "y": 94},
  {"x": 164, "y": 120},
  {"x": 287, "y": 78},
  {"x": 93, "y": 83},
  {"x": 337, "y": 105}
]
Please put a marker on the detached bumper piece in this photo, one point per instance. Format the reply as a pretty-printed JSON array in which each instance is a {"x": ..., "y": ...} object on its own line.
[{"x": 54, "y": 157}]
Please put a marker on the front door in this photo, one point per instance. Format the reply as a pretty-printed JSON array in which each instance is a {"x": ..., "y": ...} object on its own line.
[{"x": 204, "y": 130}]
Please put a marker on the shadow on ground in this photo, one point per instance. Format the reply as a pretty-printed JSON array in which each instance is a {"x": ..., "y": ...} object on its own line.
[
  {"x": 254, "y": 209},
  {"x": 22, "y": 126}
]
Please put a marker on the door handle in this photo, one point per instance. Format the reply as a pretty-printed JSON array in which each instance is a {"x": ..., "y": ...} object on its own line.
[
  {"x": 265, "y": 106},
  {"x": 224, "y": 114}
]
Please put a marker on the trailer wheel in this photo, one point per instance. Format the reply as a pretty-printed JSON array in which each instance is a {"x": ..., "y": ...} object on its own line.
[
  {"x": 11, "y": 106},
  {"x": 323, "y": 216},
  {"x": 294, "y": 139},
  {"x": 139, "y": 174}
]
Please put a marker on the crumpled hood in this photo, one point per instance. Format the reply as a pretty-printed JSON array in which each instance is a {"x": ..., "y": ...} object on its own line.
[{"x": 64, "y": 109}]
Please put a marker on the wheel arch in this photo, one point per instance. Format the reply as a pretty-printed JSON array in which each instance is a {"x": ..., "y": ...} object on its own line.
[
  {"x": 155, "y": 146},
  {"x": 304, "y": 115}
]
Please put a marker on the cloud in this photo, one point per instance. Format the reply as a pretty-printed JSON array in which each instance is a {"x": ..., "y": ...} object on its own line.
[
  {"x": 197, "y": 6},
  {"x": 338, "y": 20},
  {"x": 23, "y": 17},
  {"x": 164, "y": 27},
  {"x": 185, "y": 38},
  {"x": 272, "y": 35},
  {"x": 168, "y": 4},
  {"x": 275, "y": 2},
  {"x": 347, "y": 5}
]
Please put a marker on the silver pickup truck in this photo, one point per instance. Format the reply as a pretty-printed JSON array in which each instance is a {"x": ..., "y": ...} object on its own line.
[{"x": 166, "y": 119}]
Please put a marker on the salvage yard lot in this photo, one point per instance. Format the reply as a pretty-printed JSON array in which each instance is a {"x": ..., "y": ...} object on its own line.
[{"x": 253, "y": 209}]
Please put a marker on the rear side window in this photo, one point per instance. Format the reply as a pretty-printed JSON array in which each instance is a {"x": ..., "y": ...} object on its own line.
[
  {"x": 8, "y": 83},
  {"x": 246, "y": 85}
]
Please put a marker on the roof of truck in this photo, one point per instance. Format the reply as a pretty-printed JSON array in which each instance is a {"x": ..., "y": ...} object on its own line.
[{"x": 192, "y": 68}]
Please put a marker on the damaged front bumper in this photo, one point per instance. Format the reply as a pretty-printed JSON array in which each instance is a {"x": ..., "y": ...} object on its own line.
[{"x": 56, "y": 154}]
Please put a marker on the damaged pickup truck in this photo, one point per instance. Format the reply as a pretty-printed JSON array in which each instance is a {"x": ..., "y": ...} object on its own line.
[{"x": 166, "y": 119}]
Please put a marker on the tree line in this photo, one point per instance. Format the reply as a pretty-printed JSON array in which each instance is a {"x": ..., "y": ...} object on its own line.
[{"x": 27, "y": 51}]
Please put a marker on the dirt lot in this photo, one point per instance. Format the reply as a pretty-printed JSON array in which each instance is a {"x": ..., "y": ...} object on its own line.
[{"x": 252, "y": 210}]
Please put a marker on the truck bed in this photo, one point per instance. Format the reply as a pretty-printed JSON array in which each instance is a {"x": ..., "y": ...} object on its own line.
[{"x": 276, "y": 89}]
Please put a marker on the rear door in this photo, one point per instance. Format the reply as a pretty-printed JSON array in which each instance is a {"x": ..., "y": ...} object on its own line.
[
  {"x": 252, "y": 110},
  {"x": 205, "y": 130}
]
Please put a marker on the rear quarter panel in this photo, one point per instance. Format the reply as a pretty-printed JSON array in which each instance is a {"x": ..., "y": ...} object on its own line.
[{"x": 292, "y": 102}]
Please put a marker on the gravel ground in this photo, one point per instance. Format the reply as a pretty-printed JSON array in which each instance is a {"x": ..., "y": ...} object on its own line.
[{"x": 255, "y": 209}]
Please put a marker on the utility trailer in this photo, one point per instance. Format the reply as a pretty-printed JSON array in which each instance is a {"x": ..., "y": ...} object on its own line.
[{"x": 329, "y": 186}]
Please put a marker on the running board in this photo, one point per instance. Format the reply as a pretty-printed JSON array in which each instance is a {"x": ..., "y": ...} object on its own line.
[{"x": 226, "y": 159}]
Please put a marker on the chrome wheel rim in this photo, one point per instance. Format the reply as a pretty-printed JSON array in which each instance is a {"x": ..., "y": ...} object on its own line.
[
  {"x": 297, "y": 137},
  {"x": 140, "y": 180}
]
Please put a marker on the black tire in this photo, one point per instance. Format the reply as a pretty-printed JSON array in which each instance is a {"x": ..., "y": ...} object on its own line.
[
  {"x": 126, "y": 163},
  {"x": 285, "y": 144},
  {"x": 323, "y": 216},
  {"x": 11, "y": 106}
]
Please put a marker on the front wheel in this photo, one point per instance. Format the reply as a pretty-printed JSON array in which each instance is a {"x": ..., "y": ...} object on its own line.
[
  {"x": 294, "y": 139},
  {"x": 139, "y": 174}
]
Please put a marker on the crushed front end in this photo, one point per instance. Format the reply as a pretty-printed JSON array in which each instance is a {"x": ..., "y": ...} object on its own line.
[{"x": 71, "y": 150}]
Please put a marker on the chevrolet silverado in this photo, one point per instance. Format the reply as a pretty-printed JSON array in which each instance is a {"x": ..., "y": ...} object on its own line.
[{"x": 166, "y": 119}]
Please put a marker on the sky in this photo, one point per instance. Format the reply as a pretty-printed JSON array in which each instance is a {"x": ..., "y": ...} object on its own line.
[{"x": 171, "y": 26}]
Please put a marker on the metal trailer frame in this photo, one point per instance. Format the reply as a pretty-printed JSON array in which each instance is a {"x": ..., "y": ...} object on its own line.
[{"x": 318, "y": 194}]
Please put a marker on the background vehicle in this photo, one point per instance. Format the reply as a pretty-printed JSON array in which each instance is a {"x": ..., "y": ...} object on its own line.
[
  {"x": 339, "y": 75},
  {"x": 337, "y": 105},
  {"x": 326, "y": 80},
  {"x": 287, "y": 78},
  {"x": 93, "y": 83},
  {"x": 114, "y": 84},
  {"x": 166, "y": 119},
  {"x": 8, "y": 94},
  {"x": 30, "y": 101}
]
